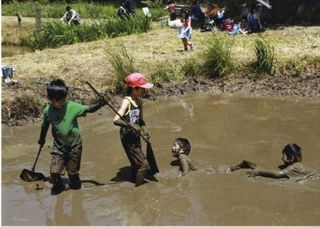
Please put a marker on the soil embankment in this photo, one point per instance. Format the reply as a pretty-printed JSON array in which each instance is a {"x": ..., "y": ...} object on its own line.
[
  {"x": 22, "y": 103},
  {"x": 306, "y": 86}
]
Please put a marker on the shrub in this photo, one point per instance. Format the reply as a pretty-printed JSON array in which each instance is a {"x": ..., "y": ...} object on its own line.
[
  {"x": 217, "y": 57},
  {"x": 123, "y": 66},
  {"x": 265, "y": 57}
]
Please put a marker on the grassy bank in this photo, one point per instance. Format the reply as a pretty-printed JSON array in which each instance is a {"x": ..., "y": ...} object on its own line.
[{"x": 158, "y": 54}]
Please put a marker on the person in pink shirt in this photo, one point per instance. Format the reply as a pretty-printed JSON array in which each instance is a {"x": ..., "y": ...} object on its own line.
[{"x": 171, "y": 7}]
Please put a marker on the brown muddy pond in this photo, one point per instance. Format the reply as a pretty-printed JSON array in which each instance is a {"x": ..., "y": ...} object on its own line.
[{"x": 222, "y": 129}]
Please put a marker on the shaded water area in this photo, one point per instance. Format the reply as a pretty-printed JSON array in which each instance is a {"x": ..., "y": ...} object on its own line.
[
  {"x": 9, "y": 51},
  {"x": 222, "y": 130}
]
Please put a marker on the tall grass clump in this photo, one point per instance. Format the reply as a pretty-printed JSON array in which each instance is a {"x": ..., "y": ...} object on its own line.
[
  {"x": 217, "y": 57},
  {"x": 123, "y": 66},
  {"x": 55, "y": 34},
  {"x": 265, "y": 57}
]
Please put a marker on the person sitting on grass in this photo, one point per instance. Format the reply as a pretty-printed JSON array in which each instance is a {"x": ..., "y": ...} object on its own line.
[
  {"x": 126, "y": 9},
  {"x": 292, "y": 167},
  {"x": 71, "y": 16}
]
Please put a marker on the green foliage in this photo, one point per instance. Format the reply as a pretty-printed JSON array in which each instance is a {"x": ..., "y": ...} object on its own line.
[
  {"x": 161, "y": 75},
  {"x": 217, "y": 57},
  {"x": 191, "y": 67},
  {"x": 295, "y": 66},
  {"x": 123, "y": 66},
  {"x": 55, "y": 34},
  {"x": 265, "y": 57},
  {"x": 153, "y": 3}
]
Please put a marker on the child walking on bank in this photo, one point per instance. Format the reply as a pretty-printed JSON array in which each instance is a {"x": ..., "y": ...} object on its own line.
[
  {"x": 131, "y": 112},
  {"x": 67, "y": 143},
  {"x": 185, "y": 31}
]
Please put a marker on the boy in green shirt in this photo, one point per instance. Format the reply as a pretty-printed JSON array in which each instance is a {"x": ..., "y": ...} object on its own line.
[{"x": 67, "y": 144}]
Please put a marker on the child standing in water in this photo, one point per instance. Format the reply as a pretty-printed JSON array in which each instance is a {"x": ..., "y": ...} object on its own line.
[
  {"x": 185, "y": 31},
  {"x": 67, "y": 143},
  {"x": 131, "y": 124}
]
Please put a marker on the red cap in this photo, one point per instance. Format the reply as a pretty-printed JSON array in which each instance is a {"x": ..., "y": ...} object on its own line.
[{"x": 137, "y": 80}]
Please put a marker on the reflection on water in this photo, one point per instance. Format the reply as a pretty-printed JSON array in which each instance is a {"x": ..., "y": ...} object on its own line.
[{"x": 223, "y": 130}]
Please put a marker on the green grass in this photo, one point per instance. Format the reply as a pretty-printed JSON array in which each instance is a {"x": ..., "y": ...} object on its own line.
[
  {"x": 217, "y": 58},
  {"x": 265, "y": 57},
  {"x": 56, "y": 34},
  {"x": 123, "y": 66}
]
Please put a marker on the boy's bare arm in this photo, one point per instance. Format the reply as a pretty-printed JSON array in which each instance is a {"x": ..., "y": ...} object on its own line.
[
  {"x": 94, "y": 107},
  {"x": 266, "y": 173}
]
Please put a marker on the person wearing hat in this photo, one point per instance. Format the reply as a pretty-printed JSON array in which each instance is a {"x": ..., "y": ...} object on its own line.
[{"x": 132, "y": 126}]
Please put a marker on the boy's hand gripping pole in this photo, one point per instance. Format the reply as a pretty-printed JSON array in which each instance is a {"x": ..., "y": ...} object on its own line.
[{"x": 114, "y": 110}]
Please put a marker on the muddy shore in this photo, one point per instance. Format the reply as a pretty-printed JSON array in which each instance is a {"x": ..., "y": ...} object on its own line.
[
  {"x": 22, "y": 103},
  {"x": 304, "y": 86}
]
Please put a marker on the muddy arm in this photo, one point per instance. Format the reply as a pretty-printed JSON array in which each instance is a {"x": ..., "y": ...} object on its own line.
[
  {"x": 94, "y": 107},
  {"x": 267, "y": 173}
]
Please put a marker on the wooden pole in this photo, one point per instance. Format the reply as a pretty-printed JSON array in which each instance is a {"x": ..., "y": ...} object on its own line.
[
  {"x": 37, "y": 13},
  {"x": 19, "y": 23}
]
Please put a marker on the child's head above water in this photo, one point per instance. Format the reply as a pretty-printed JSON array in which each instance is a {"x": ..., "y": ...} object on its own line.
[
  {"x": 181, "y": 146},
  {"x": 292, "y": 153}
]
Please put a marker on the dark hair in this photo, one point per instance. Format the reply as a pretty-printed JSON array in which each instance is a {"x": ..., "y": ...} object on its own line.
[
  {"x": 186, "y": 11},
  {"x": 129, "y": 90},
  {"x": 183, "y": 144},
  {"x": 170, "y": 2},
  {"x": 57, "y": 89},
  {"x": 68, "y": 8},
  {"x": 293, "y": 150}
]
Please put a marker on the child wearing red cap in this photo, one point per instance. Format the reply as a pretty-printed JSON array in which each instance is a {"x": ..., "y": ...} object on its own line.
[{"x": 131, "y": 112}]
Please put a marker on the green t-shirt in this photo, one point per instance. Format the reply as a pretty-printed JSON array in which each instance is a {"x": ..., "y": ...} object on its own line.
[{"x": 64, "y": 124}]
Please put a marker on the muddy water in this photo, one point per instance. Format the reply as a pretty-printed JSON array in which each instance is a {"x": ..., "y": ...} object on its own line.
[
  {"x": 222, "y": 130},
  {"x": 9, "y": 51}
]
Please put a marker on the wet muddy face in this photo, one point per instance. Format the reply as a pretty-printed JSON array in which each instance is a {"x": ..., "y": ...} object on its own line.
[
  {"x": 176, "y": 150},
  {"x": 58, "y": 103}
]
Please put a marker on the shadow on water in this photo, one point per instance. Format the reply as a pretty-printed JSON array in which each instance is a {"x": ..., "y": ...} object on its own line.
[{"x": 223, "y": 130}]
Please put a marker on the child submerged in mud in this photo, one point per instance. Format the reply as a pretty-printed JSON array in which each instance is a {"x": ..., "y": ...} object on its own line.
[
  {"x": 181, "y": 149},
  {"x": 292, "y": 167},
  {"x": 291, "y": 156}
]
